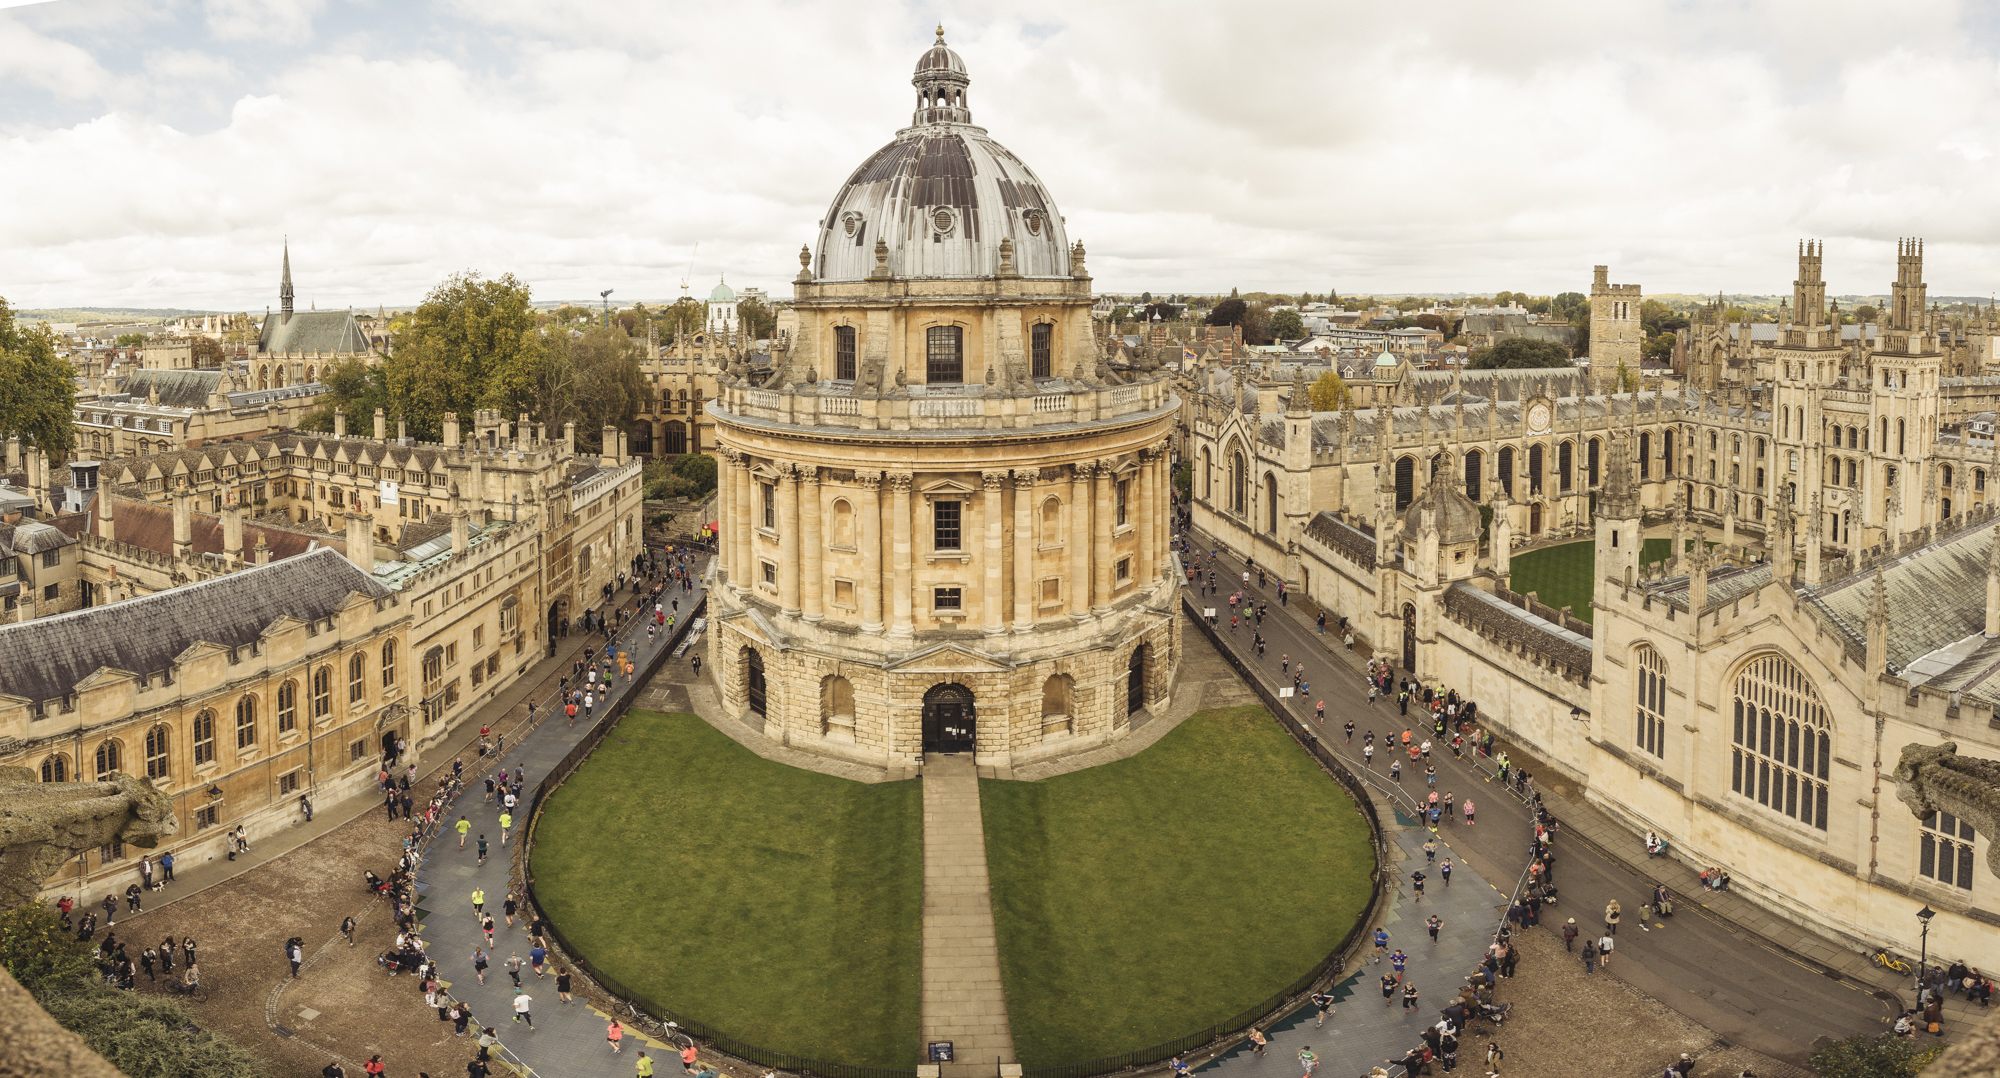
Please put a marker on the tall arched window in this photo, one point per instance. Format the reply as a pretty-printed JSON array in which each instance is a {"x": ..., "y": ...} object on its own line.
[
  {"x": 288, "y": 707},
  {"x": 1900, "y": 428},
  {"x": 1270, "y": 503},
  {"x": 843, "y": 522},
  {"x": 1565, "y": 466},
  {"x": 322, "y": 693},
  {"x": 55, "y": 768},
  {"x": 1596, "y": 447},
  {"x": 204, "y": 738},
  {"x": 843, "y": 353},
  {"x": 1474, "y": 460},
  {"x": 1207, "y": 475},
  {"x": 246, "y": 722},
  {"x": 1650, "y": 733},
  {"x": 836, "y": 706},
  {"x": 357, "y": 678},
  {"x": 1534, "y": 469},
  {"x": 1041, "y": 337},
  {"x": 1506, "y": 469},
  {"x": 156, "y": 753},
  {"x": 1406, "y": 480},
  {"x": 1052, "y": 521},
  {"x": 944, "y": 355},
  {"x": 1645, "y": 454},
  {"x": 107, "y": 759},
  {"x": 1783, "y": 746},
  {"x": 1239, "y": 495},
  {"x": 388, "y": 664}
]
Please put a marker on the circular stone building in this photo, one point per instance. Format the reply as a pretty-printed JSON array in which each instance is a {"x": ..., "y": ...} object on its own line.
[{"x": 944, "y": 517}]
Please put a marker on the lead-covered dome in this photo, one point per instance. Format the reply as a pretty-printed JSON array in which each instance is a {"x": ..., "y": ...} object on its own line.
[{"x": 942, "y": 196}]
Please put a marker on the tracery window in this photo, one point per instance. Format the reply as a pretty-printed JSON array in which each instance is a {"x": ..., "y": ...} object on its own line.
[
  {"x": 1945, "y": 850},
  {"x": 156, "y": 753},
  {"x": 246, "y": 723},
  {"x": 288, "y": 707},
  {"x": 1650, "y": 733},
  {"x": 1783, "y": 747},
  {"x": 204, "y": 738}
]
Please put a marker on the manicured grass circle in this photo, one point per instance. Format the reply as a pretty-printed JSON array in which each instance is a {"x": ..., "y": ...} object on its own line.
[
  {"x": 1142, "y": 900},
  {"x": 779, "y": 905}
]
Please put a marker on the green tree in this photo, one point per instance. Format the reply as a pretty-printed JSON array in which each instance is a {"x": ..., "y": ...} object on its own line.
[
  {"x": 758, "y": 321},
  {"x": 1286, "y": 325},
  {"x": 41, "y": 387},
  {"x": 353, "y": 389},
  {"x": 472, "y": 343},
  {"x": 691, "y": 476},
  {"x": 1866, "y": 313},
  {"x": 1516, "y": 353},
  {"x": 1166, "y": 312},
  {"x": 130, "y": 340},
  {"x": 1120, "y": 315},
  {"x": 1145, "y": 298},
  {"x": 1660, "y": 347},
  {"x": 36, "y": 950},
  {"x": 591, "y": 379},
  {"x": 1330, "y": 393},
  {"x": 1184, "y": 480},
  {"x": 1229, "y": 312},
  {"x": 1881, "y": 1055}
]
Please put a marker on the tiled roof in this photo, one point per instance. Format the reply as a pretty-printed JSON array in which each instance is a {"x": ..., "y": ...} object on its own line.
[
  {"x": 46, "y": 658},
  {"x": 31, "y": 537},
  {"x": 312, "y": 331},
  {"x": 151, "y": 527},
  {"x": 177, "y": 389}
]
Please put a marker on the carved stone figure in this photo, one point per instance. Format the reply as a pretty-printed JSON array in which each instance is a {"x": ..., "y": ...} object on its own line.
[
  {"x": 1935, "y": 778},
  {"x": 43, "y": 824}
]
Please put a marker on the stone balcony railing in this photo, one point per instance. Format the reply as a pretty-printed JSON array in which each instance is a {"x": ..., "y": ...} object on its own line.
[{"x": 1059, "y": 403}]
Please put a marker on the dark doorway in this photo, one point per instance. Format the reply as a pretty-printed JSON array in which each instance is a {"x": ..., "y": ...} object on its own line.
[
  {"x": 753, "y": 665},
  {"x": 1135, "y": 681},
  {"x": 1410, "y": 638},
  {"x": 389, "y": 745},
  {"x": 948, "y": 719},
  {"x": 555, "y": 624}
]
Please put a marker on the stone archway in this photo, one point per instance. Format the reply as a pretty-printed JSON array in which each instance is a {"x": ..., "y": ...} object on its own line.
[
  {"x": 950, "y": 722},
  {"x": 1135, "y": 681}
]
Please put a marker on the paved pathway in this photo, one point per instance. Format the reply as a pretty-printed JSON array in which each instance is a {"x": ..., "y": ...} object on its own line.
[
  {"x": 1747, "y": 987},
  {"x": 964, "y": 1002},
  {"x": 564, "y": 1040}
]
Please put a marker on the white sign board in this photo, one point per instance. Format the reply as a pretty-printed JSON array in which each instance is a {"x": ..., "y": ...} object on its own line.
[
  {"x": 388, "y": 493},
  {"x": 1284, "y": 693}
]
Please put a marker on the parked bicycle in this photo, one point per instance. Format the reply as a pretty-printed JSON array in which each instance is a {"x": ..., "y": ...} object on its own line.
[{"x": 1893, "y": 962}]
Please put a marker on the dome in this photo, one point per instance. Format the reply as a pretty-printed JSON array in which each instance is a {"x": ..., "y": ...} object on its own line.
[
  {"x": 1385, "y": 359},
  {"x": 722, "y": 294},
  {"x": 1456, "y": 517},
  {"x": 941, "y": 196}
]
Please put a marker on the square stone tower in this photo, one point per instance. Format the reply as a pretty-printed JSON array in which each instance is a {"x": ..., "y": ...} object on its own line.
[{"x": 1615, "y": 334}]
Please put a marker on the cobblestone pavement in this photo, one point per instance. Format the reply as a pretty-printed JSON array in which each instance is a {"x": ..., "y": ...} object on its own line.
[{"x": 1750, "y": 989}]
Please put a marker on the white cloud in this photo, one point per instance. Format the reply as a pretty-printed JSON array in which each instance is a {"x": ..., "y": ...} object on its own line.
[{"x": 585, "y": 146}]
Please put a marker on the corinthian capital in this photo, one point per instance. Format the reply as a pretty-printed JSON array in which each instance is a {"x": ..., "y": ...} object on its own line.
[
  {"x": 993, "y": 481},
  {"x": 899, "y": 482},
  {"x": 868, "y": 480}
]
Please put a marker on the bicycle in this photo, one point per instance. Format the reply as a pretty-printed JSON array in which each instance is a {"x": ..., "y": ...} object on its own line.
[
  {"x": 1892, "y": 962},
  {"x": 197, "y": 992}
]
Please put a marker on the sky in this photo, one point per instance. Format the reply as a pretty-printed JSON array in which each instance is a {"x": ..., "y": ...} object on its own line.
[{"x": 157, "y": 154}]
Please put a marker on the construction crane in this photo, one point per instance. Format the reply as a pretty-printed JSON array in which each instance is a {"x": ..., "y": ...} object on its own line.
[{"x": 690, "y": 270}]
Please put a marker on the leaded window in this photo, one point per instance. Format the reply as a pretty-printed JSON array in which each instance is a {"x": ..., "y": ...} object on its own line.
[
  {"x": 843, "y": 352},
  {"x": 1650, "y": 733},
  {"x": 1945, "y": 850},
  {"x": 944, "y": 355},
  {"x": 1040, "y": 339},
  {"x": 1782, "y": 752}
]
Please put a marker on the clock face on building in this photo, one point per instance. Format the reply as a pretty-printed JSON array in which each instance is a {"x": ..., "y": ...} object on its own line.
[{"x": 1538, "y": 417}]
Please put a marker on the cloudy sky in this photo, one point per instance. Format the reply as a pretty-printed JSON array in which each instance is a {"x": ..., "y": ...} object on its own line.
[{"x": 153, "y": 154}]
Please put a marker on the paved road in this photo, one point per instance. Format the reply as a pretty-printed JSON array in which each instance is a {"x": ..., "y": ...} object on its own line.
[{"x": 1716, "y": 973}]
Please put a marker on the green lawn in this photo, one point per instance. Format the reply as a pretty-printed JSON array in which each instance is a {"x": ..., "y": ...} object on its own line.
[
  {"x": 779, "y": 905},
  {"x": 1145, "y": 899},
  {"x": 1559, "y": 575}
]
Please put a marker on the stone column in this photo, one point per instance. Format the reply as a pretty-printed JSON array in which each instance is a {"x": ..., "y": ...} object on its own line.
[
  {"x": 744, "y": 572},
  {"x": 993, "y": 602},
  {"x": 1078, "y": 537},
  {"x": 899, "y": 520},
  {"x": 1100, "y": 534},
  {"x": 1024, "y": 550},
  {"x": 788, "y": 538},
  {"x": 1142, "y": 567},
  {"x": 725, "y": 508},
  {"x": 870, "y": 520},
  {"x": 812, "y": 588}
]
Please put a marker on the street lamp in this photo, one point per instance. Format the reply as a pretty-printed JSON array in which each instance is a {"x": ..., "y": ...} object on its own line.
[{"x": 1924, "y": 952}]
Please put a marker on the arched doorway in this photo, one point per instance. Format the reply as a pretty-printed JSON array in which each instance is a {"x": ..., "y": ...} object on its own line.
[
  {"x": 753, "y": 670},
  {"x": 1135, "y": 681},
  {"x": 1410, "y": 637},
  {"x": 949, "y": 722},
  {"x": 1535, "y": 518},
  {"x": 555, "y": 624}
]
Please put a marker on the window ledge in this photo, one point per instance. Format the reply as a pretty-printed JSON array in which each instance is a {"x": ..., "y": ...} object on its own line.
[{"x": 936, "y": 556}]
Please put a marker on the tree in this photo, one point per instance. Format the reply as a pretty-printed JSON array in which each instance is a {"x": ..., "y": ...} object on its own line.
[
  {"x": 1330, "y": 393},
  {"x": 206, "y": 353},
  {"x": 1659, "y": 348},
  {"x": 1145, "y": 298},
  {"x": 683, "y": 316},
  {"x": 1866, "y": 313},
  {"x": 1120, "y": 315},
  {"x": 591, "y": 379},
  {"x": 1166, "y": 312},
  {"x": 1227, "y": 313},
  {"x": 130, "y": 340},
  {"x": 1286, "y": 325},
  {"x": 1882, "y": 1055},
  {"x": 758, "y": 321},
  {"x": 41, "y": 387},
  {"x": 691, "y": 476},
  {"x": 472, "y": 343},
  {"x": 1517, "y": 353},
  {"x": 353, "y": 389}
]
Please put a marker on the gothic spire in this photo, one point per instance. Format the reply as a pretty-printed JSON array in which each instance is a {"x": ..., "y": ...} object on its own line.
[{"x": 285, "y": 284}]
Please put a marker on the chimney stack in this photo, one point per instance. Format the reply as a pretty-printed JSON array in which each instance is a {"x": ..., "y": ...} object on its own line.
[
  {"x": 263, "y": 556},
  {"x": 339, "y": 423},
  {"x": 232, "y": 534},
  {"x": 402, "y": 429},
  {"x": 608, "y": 452},
  {"x": 381, "y": 425},
  {"x": 451, "y": 430},
  {"x": 460, "y": 533},
  {"x": 360, "y": 541},
  {"x": 183, "y": 523}
]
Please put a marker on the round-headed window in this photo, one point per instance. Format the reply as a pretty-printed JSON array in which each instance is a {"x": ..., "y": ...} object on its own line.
[
  {"x": 1034, "y": 218},
  {"x": 941, "y": 220}
]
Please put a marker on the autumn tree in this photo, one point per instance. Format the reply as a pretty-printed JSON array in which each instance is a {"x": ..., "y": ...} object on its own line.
[
  {"x": 591, "y": 379},
  {"x": 206, "y": 353},
  {"x": 1330, "y": 393}
]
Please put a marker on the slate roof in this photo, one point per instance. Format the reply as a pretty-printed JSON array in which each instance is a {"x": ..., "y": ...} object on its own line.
[
  {"x": 178, "y": 389},
  {"x": 312, "y": 331},
  {"x": 30, "y": 537},
  {"x": 1937, "y": 612},
  {"x": 1725, "y": 585},
  {"x": 45, "y": 658}
]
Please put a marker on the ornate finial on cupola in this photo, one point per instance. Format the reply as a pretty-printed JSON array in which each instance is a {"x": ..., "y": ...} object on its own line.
[
  {"x": 805, "y": 265},
  {"x": 881, "y": 261}
]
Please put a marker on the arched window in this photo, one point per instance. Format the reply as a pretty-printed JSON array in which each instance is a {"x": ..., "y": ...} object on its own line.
[
  {"x": 1506, "y": 469},
  {"x": 1596, "y": 448},
  {"x": 843, "y": 522},
  {"x": 156, "y": 753},
  {"x": 1406, "y": 481},
  {"x": 288, "y": 707},
  {"x": 836, "y": 706},
  {"x": 1052, "y": 521},
  {"x": 322, "y": 693},
  {"x": 1667, "y": 452},
  {"x": 1783, "y": 746},
  {"x": 1270, "y": 503},
  {"x": 55, "y": 768},
  {"x": 1534, "y": 469},
  {"x": 107, "y": 759},
  {"x": 1645, "y": 454},
  {"x": 204, "y": 738},
  {"x": 753, "y": 680},
  {"x": 1885, "y": 424},
  {"x": 1057, "y": 692},
  {"x": 676, "y": 437},
  {"x": 1945, "y": 480},
  {"x": 1239, "y": 495},
  {"x": 1650, "y": 733},
  {"x": 1207, "y": 475},
  {"x": 1474, "y": 460},
  {"x": 1945, "y": 847},
  {"x": 246, "y": 722},
  {"x": 1899, "y": 437},
  {"x": 388, "y": 663},
  {"x": 357, "y": 678},
  {"x": 1565, "y": 466}
]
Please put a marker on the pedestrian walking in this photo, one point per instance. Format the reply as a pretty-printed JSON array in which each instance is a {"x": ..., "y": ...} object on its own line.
[
  {"x": 688, "y": 1056},
  {"x": 296, "y": 953},
  {"x": 521, "y": 1003},
  {"x": 614, "y": 1033},
  {"x": 1493, "y": 1057},
  {"x": 562, "y": 985},
  {"x": 1569, "y": 935},
  {"x": 1611, "y": 915},
  {"x": 374, "y": 1068}
]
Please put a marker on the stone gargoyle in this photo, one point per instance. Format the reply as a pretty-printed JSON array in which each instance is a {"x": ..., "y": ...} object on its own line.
[
  {"x": 1935, "y": 778},
  {"x": 43, "y": 824}
]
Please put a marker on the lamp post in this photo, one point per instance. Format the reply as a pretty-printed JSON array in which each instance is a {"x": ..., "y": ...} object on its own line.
[{"x": 1924, "y": 946}]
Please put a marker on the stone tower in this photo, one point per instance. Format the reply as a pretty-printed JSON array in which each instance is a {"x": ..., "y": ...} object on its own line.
[
  {"x": 1809, "y": 291},
  {"x": 285, "y": 284},
  {"x": 1906, "y": 295},
  {"x": 1615, "y": 334}
]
